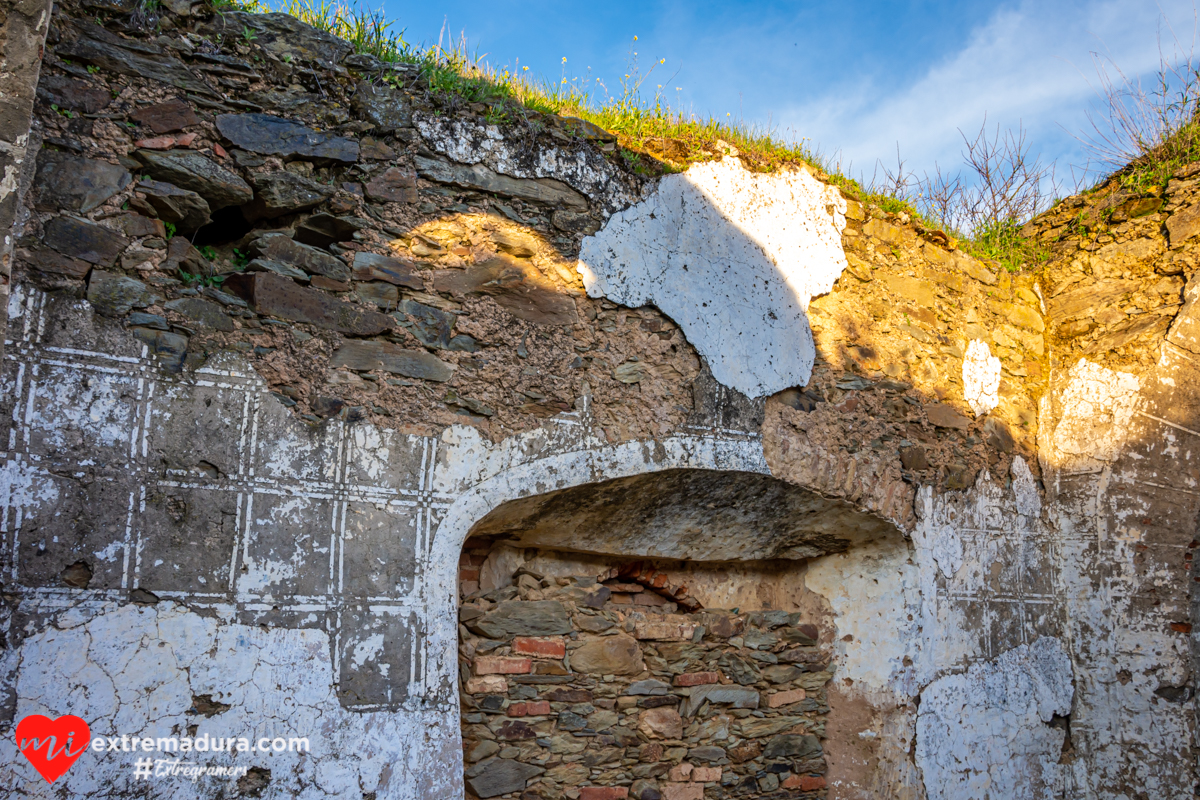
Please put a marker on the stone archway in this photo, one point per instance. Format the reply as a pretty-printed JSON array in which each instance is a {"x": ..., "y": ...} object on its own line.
[{"x": 651, "y": 636}]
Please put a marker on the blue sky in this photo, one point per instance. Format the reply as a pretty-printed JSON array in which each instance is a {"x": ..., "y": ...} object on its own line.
[{"x": 856, "y": 79}]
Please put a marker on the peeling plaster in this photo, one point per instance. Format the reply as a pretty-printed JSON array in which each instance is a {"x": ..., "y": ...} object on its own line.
[
  {"x": 985, "y": 733},
  {"x": 981, "y": 378},
  {"x": 584, "y": 169},
  {"x": 135, "y": 670},
  {"x": 734, "y": 257}
]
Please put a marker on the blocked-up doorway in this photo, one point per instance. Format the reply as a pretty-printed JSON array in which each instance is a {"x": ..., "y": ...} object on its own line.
[{"x": 650, "y": 637}]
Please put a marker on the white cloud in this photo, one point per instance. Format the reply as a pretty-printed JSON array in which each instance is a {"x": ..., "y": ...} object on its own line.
[{"x": 1031, "y": 64}]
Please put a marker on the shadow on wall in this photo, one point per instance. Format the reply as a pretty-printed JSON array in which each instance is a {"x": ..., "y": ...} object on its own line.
[
  {"x": 706, "y": 665},
  {"x": 690, "y": 515}
]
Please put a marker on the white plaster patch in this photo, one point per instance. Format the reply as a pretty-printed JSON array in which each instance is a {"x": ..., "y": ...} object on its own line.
[
  {"x": 870, "y": 589},
  {"x": 734, "y": 257},
  {"x": 981, "y": 378},
  {"x": 1097, "y": 405},
  {"x": 1029, "y": 501},
  {"x": 985, "y": 733},
  {"x": 134, "y": 670}
]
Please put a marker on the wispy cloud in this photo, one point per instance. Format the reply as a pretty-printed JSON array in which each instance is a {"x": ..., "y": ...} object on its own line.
[{"x": 1029, "y": 65}]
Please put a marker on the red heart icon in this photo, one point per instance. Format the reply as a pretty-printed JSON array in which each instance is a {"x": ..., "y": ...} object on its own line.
[{"x": 52, "y": 745}]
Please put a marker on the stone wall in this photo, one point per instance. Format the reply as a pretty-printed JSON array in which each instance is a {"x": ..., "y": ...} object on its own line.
[
  {"x": 622, "y": 684},
  {"x": 287, "y": 324}
]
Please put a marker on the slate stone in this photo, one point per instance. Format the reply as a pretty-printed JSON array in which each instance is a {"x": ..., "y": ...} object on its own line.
[
  {"x": 374, "y": 267},
  {"x": 204, "y": 312},
  {"x": 610, "y": 655},
  {"x": 530, "y": 618},
  {"x": 378, "y": 293},
  {"x": 739, "y": 669},
  {"x": 136, "y": 225},
  {"x": 514, "y": 730},
  {"x": 793, "y": 746},
  {"x": 205, "y": 177},
  {"x": 116, "y": 295},
  {"x": 717, "y": 694},
  {"x": 382, "y": 106},
  {"x": 364, "y": 356},
  {"x": 517, "y": 287},
  {"x": 327, "y": 406},
  {"x": 279, "y": 268},
  {"x": 575, "y": 222},
  {"x": 373, "y": 149},
  {"x": 85, "y": 240},
  {"x": 71, "y": 183},
  {"x": 269, "y": 135},
  {"x": 781, "y": 673},
  {"x": 478, "y": 176},
  {"x": 282, "y": 35},
  {"x": 709, "y": 753},
  {"x": 280, "y": 193},
  {"x": 568, "y": 721},
  {"x": 183, "y": 208},
  {"x": 169, "y": 348},
  {"x": 432, "y": 326},
  {"x": 592, "y": 624},
  {"x": 393, "y": 185},
  {"x": 648, "y": 687},
  {"x": 943, "y": 416},
  {"x": 282, "y": 297},
  {"x": 500, "y": 776},
  {"x": 97, "y": 47},
  {"x": 173, "y": 115},
  {"x": 322, "y": 230},
  {"x": 50, "y": 267},
  {"x": 142, "y": 319},
  {"x": 659, "y": 702},
  {"x": 73, "y": 94},
  {"x": 182, "y": 255},
  {"x": 770, "y": 726},
  {"x": 282, "y": 248}
]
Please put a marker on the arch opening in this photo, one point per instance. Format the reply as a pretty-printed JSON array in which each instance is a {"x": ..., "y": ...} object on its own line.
[{"x": 651, "y": 637}]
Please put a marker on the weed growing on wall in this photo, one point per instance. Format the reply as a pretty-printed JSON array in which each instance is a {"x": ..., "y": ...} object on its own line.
[
  {"x": 1145, "y": 135},
  {"x": 1144, "y": 131}
]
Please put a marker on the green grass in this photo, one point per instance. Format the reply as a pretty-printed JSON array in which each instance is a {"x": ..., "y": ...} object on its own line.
[
  {"x": 1155, "y": 166},
  {"x": 1002, "y": 243},
  {"x": 651, "y": 136}
]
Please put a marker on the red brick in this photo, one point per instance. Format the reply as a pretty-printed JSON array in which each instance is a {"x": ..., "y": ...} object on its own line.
[
  {"x": 681, "y": 791},
  {"x": 539, "y": 708},
  {"x": 502, "y": 665},
  {"x": 697, "y": 678},
  {"x": 785, "y": 698},
  {"x": 542, "y": 647},
  {"x": 468, "y": 573},
  {"x": 491, "y": 684},
  {"x": 805, "y": 783},
  {"x": 603, "y": 792}
]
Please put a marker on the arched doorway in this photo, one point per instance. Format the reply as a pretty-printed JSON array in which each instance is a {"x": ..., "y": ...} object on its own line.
[{"x": 650, "y": 636}]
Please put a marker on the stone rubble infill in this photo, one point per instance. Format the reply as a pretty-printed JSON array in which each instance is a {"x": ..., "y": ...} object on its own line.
[{"x": 569, "y": 690}]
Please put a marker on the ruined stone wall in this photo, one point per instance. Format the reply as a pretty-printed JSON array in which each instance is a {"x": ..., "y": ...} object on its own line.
[
  {"x": 597, "y": 688},
  {"x": 287, "y": 324}
]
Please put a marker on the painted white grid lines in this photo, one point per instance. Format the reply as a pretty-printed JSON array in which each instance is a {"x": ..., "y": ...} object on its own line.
[
  {"x": 1006, "y": 592},
  {"x": 145, "y": 409}
]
